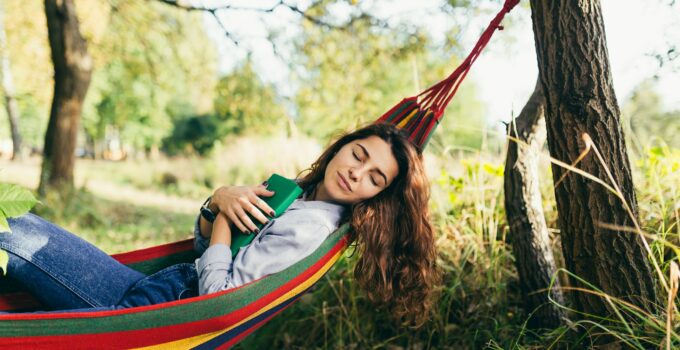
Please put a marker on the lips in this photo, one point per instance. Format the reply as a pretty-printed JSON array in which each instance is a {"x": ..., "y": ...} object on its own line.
[{"x": 344, "y": 183}]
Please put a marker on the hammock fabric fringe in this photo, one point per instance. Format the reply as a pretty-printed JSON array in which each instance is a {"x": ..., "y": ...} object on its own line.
[{"x": 222, "y": 319}]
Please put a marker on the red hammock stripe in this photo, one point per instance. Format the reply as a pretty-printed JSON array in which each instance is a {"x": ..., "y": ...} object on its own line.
[{"x": 154, "y": 252}]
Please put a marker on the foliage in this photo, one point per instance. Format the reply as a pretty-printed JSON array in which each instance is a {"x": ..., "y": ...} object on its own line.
[
  {"x": 353, "y": 76},
  {"x": 646, "y": 119},
  {"x": 194, "y": 134},
  {"x": 29, "y": 55},
  {"x": 14, "y": 201},
  {"x": 243, "y": 103},
  {"x": 148, "y": 61}
]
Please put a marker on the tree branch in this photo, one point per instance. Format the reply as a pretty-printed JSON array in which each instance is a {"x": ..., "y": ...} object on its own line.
[{"x": 293, "y": 8}]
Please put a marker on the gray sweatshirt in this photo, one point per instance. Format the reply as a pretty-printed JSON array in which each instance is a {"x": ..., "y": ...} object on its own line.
[{"x": 281, "y": 243}]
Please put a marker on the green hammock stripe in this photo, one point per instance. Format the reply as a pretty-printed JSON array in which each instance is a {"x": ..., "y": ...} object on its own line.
[
  {"x": 421, "y": 128},
  {"x": 406, "y": 105},
  {"x": 430, "y": 132},
  {"x": 151, "y": 266},
  {"x": 170, "y": 315}
]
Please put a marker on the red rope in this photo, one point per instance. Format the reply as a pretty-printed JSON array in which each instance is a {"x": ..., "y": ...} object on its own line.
[{"x": 438, "y": 96}]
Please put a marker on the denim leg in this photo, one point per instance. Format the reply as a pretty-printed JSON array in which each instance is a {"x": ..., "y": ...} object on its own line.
[
  {"x": 179, "y": 281},
  {"x": 61, "y": 269}
]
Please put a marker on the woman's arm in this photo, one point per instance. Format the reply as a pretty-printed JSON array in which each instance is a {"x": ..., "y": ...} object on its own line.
[
  {"x": 221, "y": 232},
  {"x": 215, "y": 264}
]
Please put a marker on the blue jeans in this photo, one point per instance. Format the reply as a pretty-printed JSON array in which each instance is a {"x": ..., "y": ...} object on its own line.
[{"x": 66, "y": 272}]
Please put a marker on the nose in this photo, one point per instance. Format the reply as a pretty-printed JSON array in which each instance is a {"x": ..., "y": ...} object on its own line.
[{"x": 355, "y": 173}]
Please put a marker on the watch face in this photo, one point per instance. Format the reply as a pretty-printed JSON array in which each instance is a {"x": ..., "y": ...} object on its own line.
[{"x": 208, "y": 214}]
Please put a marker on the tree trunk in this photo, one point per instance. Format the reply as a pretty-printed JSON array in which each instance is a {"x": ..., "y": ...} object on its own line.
[
  {"x": 8, "y": 91},
  {"x": 576, "y": 80},
  {"x": 72, "y": 72},
  {"x": 524, "y": 210}
]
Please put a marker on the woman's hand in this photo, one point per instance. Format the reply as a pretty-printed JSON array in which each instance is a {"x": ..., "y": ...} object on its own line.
[{"x": 236, "y": 201}]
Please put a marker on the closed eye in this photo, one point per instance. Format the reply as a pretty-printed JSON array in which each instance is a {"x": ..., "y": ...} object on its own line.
[{"x": 355, "y": 156}]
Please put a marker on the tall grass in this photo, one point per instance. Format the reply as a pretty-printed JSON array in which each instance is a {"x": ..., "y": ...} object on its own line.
[{"x": 480, "y": 304}]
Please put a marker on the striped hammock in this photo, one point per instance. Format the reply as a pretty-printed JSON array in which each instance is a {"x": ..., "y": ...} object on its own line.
[
  {"x": 217, "y": 320},
  {"x": 211, "y": 321}
]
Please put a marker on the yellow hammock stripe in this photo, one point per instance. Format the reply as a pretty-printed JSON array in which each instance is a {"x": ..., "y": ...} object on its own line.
[
  {"x": 408, "y": 117},
  {"x": 200, "y": 339}
]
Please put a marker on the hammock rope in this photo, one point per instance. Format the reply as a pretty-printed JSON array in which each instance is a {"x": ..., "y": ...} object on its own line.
[
  {"x": 221, "y": 319},
  {"x": 421, "y": 114}
]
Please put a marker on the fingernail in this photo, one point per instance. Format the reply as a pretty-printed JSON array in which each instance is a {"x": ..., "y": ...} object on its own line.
[
  {"x": 265, "y": 184},
  {"x": 271, "y": 213},
  {"x": 257, "y": 230}
]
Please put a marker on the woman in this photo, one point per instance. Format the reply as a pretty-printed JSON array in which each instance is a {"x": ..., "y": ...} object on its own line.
[{"x": 372, "y": 177}]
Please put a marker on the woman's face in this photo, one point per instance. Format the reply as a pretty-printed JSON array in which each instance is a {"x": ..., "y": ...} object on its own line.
[{"x": 360, "y": 170}]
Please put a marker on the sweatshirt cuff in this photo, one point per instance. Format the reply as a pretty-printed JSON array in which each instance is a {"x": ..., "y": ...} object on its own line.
[{"x": 216, "y": 256}]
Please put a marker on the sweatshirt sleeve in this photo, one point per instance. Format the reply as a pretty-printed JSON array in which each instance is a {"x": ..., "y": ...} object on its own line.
[
  {"x": 214, "y": 269},
  {"x": 272, "y": 251},
  {"x": 200, "y": 243}
]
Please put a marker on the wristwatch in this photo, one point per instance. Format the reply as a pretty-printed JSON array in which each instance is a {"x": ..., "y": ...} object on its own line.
[{"x": 206, "y": 213}]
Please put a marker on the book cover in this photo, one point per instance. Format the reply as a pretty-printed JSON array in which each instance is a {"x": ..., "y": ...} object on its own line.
[{"x": 286, "y": 191}]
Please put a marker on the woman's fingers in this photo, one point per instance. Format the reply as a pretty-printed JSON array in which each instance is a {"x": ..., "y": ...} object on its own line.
[
  {"x": 245, "y": 220},
  {"x": 233, "y": 217},
  {"x": 249, "y": 206},
  {"x": 262, "y": 190},
  {"x": 262, "y": 206}
]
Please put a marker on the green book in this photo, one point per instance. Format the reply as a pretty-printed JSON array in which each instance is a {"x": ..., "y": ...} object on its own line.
[{"x": 285, "y": 193}]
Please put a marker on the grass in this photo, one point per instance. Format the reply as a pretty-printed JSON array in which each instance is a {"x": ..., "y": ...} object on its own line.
[{"x": 129, "y": 205}]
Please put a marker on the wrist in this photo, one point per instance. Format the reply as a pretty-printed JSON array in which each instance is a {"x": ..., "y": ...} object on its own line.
[
  {"x": 208, "y": 213},
  {"x": 213, "y": 207}
]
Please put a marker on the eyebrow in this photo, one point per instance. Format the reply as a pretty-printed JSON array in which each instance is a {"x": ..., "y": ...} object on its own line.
[{"x": 369, "y": 156}]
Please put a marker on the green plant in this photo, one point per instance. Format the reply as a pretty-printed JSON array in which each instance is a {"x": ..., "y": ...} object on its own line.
[{"x": 14, "y": 201}]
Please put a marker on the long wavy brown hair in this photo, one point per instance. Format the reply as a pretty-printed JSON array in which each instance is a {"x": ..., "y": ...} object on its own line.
[{"x": 392, "y": 231}]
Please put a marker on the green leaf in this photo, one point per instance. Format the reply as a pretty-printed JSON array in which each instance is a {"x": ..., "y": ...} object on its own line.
[
  {"x": 4, "y": 225},
  {"x": 14, "y": 201},
  {"x": 4, "y": 259}
]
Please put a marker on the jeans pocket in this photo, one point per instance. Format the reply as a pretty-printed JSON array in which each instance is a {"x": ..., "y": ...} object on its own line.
[{"x": 187, "y": 293}]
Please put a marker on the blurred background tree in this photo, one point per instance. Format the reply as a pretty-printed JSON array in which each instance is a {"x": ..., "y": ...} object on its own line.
[{"x": 647, "y": 121}]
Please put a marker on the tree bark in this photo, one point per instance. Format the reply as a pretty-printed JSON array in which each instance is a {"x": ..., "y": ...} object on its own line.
[
  {"x": 524, "y": 210},
  {"x": 8, "y": 90},
  {"x": 576, "y": 79},
  {"x": 72, "y": 72}
]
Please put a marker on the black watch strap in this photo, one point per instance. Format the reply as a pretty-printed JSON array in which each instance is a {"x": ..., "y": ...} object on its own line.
[{"x": 206, "y": 213}]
